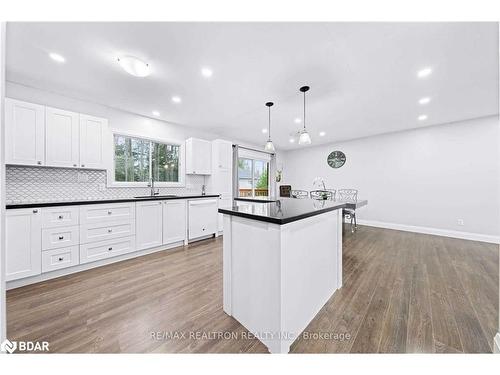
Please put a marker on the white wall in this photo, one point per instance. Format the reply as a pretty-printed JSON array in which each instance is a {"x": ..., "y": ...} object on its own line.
[{"x": 426, "y": 178}]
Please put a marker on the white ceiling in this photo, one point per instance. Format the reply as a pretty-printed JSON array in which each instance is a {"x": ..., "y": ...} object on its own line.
[{"x": 363, "y": 76}]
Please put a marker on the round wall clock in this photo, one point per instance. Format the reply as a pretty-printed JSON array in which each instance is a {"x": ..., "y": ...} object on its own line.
[{"x": 336, "y": 159}]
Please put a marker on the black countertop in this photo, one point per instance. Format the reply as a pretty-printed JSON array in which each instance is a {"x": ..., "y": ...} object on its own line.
[
  {"x": 286, "y": 210},
  {"x": 103, "y": 201}
]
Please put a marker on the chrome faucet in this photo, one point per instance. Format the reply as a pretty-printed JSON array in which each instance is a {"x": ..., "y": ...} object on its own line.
[
  {"x": 152, "y": 186},
  {"x": 203, "y": 192}
]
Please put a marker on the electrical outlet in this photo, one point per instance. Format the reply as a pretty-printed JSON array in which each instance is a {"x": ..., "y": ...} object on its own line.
[
  {"x": 101, "y": 187},
  {"x": 83, "y": 177},
  {"x": 460, "y": 222}
]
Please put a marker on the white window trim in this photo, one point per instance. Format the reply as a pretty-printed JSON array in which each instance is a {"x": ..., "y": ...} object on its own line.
[{"x": 111, "y": 166}]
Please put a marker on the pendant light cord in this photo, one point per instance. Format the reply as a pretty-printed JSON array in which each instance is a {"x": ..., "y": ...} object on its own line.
[
  {"x": 269, "y": 132},
  {"x": 304, "y": 110}
]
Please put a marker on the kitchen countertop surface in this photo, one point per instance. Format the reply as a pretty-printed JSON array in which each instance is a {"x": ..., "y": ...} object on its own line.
[
  {"x": 103, "y": 201},
  {"x": 286, "y": 210}
]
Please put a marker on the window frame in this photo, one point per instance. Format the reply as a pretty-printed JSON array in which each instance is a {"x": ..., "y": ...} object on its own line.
[
  {"x": 252, "y": 174},
  {"x": 111, "y": 167}
]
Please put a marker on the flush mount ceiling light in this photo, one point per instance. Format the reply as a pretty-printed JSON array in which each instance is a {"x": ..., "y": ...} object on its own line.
[
  {"x": 322, "y": 134},
  {"x": 424, "y": 72},
  {"x": 297, "y": 120},
  {"x": 134, "y": 66},
  {"x": 425, "y": 100},
  {"x": 57, "y": 57},
  {"x": 292, "y": 140},
  {"x": 206, "y": 72},
  {"x": 422, "y": 117},
  {"x": 176, "y": 99},
  {"x": 264, "y": 131},
  {"x": 156, "y": 113},
  {"x": 269, "y": 144},
  {"x": 304, "y": 137}
]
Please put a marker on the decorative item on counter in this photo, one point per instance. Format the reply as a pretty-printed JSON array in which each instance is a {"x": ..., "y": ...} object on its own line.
[{"x": 336, "y": 159}]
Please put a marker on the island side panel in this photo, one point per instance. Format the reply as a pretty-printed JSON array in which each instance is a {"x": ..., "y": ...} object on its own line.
[
  {"x": 310, "y": 267},
  {"x": 226, "y": 265},
  {"x": 255, "y": 278}
]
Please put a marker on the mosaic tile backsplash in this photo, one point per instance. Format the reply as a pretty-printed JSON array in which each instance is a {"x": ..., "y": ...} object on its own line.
[{"x": 44, "y": 184}]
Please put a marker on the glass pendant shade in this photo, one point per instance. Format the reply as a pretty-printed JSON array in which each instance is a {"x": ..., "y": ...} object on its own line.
[
  {"x": 269, "y": 146},
  {"x": 304, "y": 138}
]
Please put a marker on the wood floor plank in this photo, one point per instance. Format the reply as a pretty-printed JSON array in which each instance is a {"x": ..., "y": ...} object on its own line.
[{"x": 402, "y": 292}]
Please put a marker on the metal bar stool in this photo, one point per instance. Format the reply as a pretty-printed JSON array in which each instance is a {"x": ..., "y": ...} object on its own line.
[
  {"x": 300, "y": 194},
  {"x": 322, "y": 194},
  {"x": 351, "y": 196}
]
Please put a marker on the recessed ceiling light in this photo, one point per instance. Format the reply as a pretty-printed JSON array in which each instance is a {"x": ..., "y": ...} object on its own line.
[
  {"x": 292, "y": 140},
  {"x": 57, "y": 57},
  {"x": 264, "y": 130},
  {"x": 424, "y": 72},
  {"x": 206, "y": 72},
  {"x": 156, "y": 113},
  {"x": 297, "y": 120},
  {"x": 176, "y": 99},
  {"x": 322, "y": 134},
  {"x": 134, "y": 66},
  {"x": 422, "y": 117},
  {"x": 425, "y": 100}
]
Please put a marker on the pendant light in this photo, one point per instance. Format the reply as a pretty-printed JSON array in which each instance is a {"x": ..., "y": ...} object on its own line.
[
  {"x": 304, "y": 137},
  {"x": 269, "y": 144}
]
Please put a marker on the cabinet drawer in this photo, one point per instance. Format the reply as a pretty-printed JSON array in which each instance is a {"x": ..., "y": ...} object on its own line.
[
  {"x": 60, "y": 216},
  {"x": 101, "y": 213},
  {"x": 106, "y": 231},
  {"x": 54, "y": 238},
  {"x": 60, "y": 258},
  {"x": 106, "y": 249}
]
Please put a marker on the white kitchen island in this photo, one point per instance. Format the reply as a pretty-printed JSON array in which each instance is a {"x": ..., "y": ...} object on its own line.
[{"x": 282, "y": 261}]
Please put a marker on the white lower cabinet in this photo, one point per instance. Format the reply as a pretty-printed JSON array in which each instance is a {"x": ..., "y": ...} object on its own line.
[
  {"x": 60, "y": 258},
  {"x": 148, "y": 224},
  {"x": 53, "y": 238},
  {"x": 202, "y": 217},
  {"x": 174, "y": 221},
  {"x": 23, "y": 243},
  {"x": 106, "y": 249},
  {"x": 106, "y": 231}
]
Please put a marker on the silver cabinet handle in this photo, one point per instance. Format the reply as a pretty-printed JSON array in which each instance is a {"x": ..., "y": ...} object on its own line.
[
  {"x": 61, "y": 259},
  {"x": 110, "y": 248},
  {"x": 109, "y": 212},
  {"x": 83, "y": 165},
  {"x": 110, "y": 230},
  {"x": 74, "y": 165},
  {"x": 39, "y": 162},
  {"x": 61, "y": 237},
  {"x": 35, "y": 211},
  {"x": 60, "y": 217}
]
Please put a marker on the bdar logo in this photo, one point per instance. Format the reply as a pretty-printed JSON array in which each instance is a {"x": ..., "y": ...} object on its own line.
[{"x": 8, "y": 346}]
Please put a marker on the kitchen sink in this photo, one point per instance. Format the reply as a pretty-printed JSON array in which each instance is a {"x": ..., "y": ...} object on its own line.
[{"x": 157, "y": 196}]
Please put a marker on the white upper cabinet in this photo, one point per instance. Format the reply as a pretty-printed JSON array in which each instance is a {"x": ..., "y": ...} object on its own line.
[
  {"x": 198, "y": 156},
  {"x": 92, "y": 136},
  {"x": 224, "y": 154},
  {"x": 24, "y": 133},
  {"x": 23, "y": 255},
  {"x": 149, "y": 227},
  {"x": 62, "y": 133}
]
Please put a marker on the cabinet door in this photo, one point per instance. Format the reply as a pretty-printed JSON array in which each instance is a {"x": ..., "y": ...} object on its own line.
[
  {"x": 225, "y": 155},
  {"x": 23, "y": 235},
  {"x": 174, "y": 221},
  {"x": 202, "y": 218},
  {"x": 24, "y": 133},
  {"x": 61, "y": 138},
  {"x": 149, "y": 228},
  {"x": 198, "y": 156},
  {"x": 92, "y": 136}
]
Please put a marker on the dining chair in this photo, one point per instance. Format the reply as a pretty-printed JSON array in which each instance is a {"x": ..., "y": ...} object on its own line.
[
  {"x": 301, "y": 194},
  {"x": 322, "y": 194},
  {"x": 351, "y": 196},
  {"x": 285, "y": 190}
]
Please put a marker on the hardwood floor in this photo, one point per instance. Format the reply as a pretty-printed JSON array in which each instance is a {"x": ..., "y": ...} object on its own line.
[{"x": 403, "y": 292}]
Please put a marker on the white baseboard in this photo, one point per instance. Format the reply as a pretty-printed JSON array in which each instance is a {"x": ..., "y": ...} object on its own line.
[
  {"x": 496, "y": 343},
  {"x": 435, "y": 231}
]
